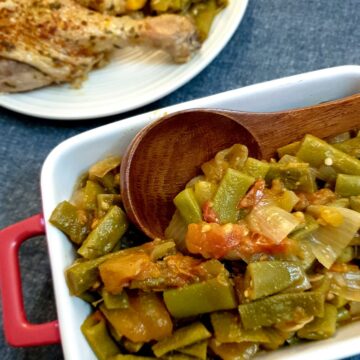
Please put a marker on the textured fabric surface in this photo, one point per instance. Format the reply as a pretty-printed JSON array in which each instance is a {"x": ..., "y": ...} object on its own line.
[{"x": 276, "y": 38}]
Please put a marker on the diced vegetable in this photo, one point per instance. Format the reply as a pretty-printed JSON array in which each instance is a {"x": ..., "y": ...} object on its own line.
[
  {"x": 350, "y": 146},
  {"x": 72, "y": 221},
  {"x": 106, "y": 235},
  {"x": 132, "y": 347},
  {"x": 256, "y": 168},
  {"x": 232, "y": 188},
  {"x": 82, "y": 275},
  {"x": 265, "y": 278},
  {"x": 86, "y": 197},
  {"x": 94, "y": 329},
  {"x": 315, "y": 152},
  {"x": 145, "y": 319},
  {"x": 228, "y": 329},
  {"x": 204, "y": 191},
  {"x": 188, "y": 206},
  {"x": 242, "y": 351},
  {"x": 182, "y": 337},
  {"x": 355, "y": 308},
  {"x": 233, "y": 157},
  {"x": 106, "y": 201},
  {"x": 214, "y": 240},
  {"x": 290, "y": 149},
  {"x": 355, "y": 203},
  {"x": 347, "y": 185},
  {"x": 176, "y": 230},
  {"x": 197, "y": 350},
  {"x": 321, "y": 327},
  {"x": 204, "y": 14},
  {"x": 343, "y": 314},
  {"x": 280, "y": 308},
  {"x": 204, "y": 297},
  {"x": 118, "y": 301},
  {"x": 295, "y": 176},
  {"x": 276, "y": 338}
]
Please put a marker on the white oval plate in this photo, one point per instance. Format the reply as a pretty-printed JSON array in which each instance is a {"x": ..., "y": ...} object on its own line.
[{"x": 134, "y": 78}]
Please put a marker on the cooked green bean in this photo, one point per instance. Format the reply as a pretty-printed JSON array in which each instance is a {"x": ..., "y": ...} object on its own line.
[
  {"x": 198, "y": 350},
  {"x": 343, "y": 314},
  {"x": 176, "y": 230},
  {"x": 106, "y": 201},
  {"x": 350, "y": 146},
  {"x": 188, "y": 206},
  {"x": 242, "y": 351},
  {"x": 281, "y": 307},
  {"x": 94, "y": 329},
  {"x": 317, "y": 152},
  {"x": 106, "y": 235},
  {"x": 347, "y": 185},
  {"x": 232, "y": 188},
  {"x": 290, "y": 149},
  {"x": 265, "y": 278},
  {"x": 338, "y": 301},
  {"x": 321, "y": 327},
  {"x": 132, "y": 347},
  {"x": 86, "y": 197},
  {"x": 82, "y": 275},
  {"x": 182, "y": 337},
  {"x": 72, "y": 221},
  {"x": 295, "y": 176},
  {"x": 256, "y": 168},
  {"x": 276, "y": 338},
  {"x": 227, "y": 328},
  {"x": 355, "y": 203},
  {"x": 118, "y": 301},
  {"x": 211, "y": 295},
  {"x": 204, "y": 191},
  {"x": 204, "y": 14}
]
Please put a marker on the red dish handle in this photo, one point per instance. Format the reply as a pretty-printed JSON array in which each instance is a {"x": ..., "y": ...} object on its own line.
[{"x": 18, "y": 331}]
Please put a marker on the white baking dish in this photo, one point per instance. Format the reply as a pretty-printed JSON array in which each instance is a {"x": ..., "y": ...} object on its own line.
[{"x": 72, "y": 157}]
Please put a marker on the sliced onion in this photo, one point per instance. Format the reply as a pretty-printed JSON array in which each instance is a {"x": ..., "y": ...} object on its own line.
[
  {"x": 346, "y": 285},
  {"x": 327, "y": 242},
  {"x": 272, "y": 222}
]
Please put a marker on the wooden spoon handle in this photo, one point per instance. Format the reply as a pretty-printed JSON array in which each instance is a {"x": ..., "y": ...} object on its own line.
[{"x": 272, "y": 130}]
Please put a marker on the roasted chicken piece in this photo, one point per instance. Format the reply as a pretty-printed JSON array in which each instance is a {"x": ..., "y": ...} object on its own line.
[{"x": 52, "y": 41}]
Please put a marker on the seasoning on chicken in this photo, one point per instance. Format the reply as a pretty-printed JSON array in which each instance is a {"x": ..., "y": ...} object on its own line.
[{"x": 51, "y": 41}]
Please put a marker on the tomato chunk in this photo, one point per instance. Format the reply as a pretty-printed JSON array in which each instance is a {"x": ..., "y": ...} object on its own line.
[
  {"x": 217, "y": 241},
  {"x": 214, "y": 240}
]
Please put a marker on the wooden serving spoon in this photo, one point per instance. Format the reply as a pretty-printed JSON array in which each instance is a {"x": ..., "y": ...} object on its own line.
[{"x": 166, "y": 154}]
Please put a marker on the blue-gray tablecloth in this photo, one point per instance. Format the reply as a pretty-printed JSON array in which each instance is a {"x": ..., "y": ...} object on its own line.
[{"x": 276, "y": 38}]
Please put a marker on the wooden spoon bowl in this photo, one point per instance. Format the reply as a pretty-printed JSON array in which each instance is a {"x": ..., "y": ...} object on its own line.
[{"x": 166, "y": 154}]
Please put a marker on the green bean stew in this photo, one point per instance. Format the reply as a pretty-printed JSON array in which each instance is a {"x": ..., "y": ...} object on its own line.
[{"x": 258, "y": 255}]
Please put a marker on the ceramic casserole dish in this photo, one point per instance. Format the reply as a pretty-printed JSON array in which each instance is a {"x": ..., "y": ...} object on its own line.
[{"x": 74, "y": 156}]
